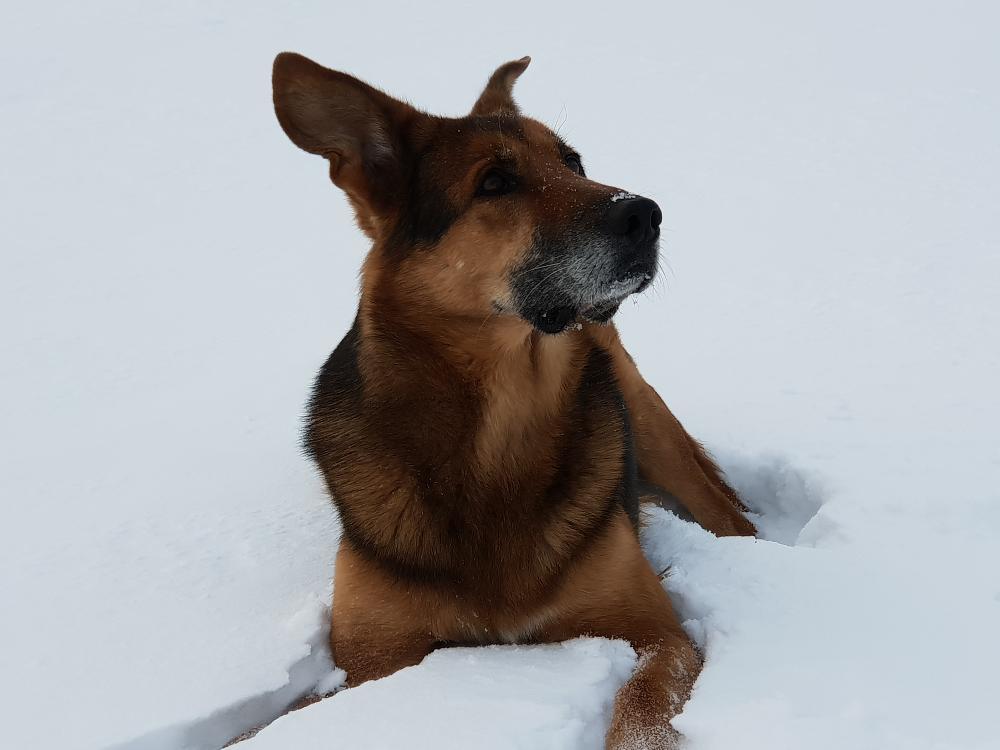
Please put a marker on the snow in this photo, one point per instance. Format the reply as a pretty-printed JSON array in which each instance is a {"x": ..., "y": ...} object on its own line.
[
  {"x": 622, "y": 195},
  {"x": 845, "y": 653},
  {"x": 545, "y": 697},
  {"x": 173, "y": 272}
]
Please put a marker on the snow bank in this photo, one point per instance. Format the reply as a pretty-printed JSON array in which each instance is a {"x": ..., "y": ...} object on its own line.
[
  {"x": 827, "y": 648},
  {"x": 545, "y": 697}
]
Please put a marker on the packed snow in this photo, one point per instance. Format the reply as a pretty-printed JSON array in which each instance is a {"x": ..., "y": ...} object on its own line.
[
  {"x": 173, "y": 272},
  {"x": 498, "y": 697}
]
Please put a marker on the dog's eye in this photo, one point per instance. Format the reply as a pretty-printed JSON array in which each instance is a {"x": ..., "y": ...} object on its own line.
[
  {"x": 494, "y": 183},
  {"x": 574, "y": 163}
]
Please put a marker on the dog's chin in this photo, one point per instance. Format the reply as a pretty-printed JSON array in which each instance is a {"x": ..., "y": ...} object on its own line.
[
  {"x": 556, "y": 319},
  {"x": 552, "y": 320}
]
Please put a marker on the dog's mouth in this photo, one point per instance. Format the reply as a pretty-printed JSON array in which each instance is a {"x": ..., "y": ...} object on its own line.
[{"x": 556, "y": 319}]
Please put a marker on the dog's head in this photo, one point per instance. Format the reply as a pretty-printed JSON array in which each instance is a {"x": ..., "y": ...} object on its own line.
[{"x": 489, "y": 214}]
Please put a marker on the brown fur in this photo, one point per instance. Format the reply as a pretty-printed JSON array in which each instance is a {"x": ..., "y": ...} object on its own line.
[{"x": 484, "y": 470}]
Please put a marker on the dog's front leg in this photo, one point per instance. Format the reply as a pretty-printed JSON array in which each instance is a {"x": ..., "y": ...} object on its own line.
[
  {"x": 655, "y": 694},
  {"x": 667, "y": 455},
  {"x": 616, "y": 594},
  {"x": 375, "y": 629}
]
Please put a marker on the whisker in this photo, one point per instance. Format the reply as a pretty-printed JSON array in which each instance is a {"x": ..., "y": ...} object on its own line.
[
  {"x": 565, "y": 115},
  {"x": 554, "y": 271}
]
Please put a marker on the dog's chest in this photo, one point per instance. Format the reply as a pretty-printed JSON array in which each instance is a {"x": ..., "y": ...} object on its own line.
[
  {"x": 494, "y": 508},
  {"x": 529, "y": 508}
]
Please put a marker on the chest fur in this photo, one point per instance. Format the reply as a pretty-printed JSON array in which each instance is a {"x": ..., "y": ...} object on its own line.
[{"x": 489, "y": 495}]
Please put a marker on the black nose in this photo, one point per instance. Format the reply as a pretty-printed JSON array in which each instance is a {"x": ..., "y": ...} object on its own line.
[{"x": 638, "y": 219}]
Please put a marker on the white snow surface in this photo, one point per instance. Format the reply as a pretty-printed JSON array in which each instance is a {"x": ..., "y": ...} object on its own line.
[
  {"x": 494, "y": 698},
  {"x": 173, "y": 272}
]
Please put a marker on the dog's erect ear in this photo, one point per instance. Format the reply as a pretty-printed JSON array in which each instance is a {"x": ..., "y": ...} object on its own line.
[
  {"x": 354, "y": 126},
  {"x": 496, "y": 97}
]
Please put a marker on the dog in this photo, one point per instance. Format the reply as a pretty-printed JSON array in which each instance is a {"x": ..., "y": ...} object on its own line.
[{"x": 481, "y": 429}]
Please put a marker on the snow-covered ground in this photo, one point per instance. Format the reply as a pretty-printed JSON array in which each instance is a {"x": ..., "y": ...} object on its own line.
[
  {"x": 493, "y": 698},
  {"x": 173, "y": 271}
]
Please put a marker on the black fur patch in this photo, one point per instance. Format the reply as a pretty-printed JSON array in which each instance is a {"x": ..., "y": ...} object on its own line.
[
  {"x": 628, "y": 490},
  {"x": 426, "y": 214},
  {"x": 599, "y": 378},
  {"x": 339, "y": 379}
]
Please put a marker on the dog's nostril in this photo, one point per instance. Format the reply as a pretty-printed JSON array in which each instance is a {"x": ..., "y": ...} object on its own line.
[{"x": 656, "y": 218}]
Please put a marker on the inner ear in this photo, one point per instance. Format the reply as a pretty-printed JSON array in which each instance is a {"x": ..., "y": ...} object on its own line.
[
  {"x": 355, "y": 126},
  {"x": 498, "y": 94}
]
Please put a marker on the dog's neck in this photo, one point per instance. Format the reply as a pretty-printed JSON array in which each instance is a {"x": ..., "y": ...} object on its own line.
[{"x": 510, "y": 379}]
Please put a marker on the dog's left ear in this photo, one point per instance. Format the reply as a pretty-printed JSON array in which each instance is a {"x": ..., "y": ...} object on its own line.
[{"x": 497, "y": 97}]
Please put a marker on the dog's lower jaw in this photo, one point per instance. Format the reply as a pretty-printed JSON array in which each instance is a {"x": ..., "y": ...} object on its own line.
[
  {"x": 554, "y": 320},
  {"x": 591, "y": 308},
  {"x": 557, "y": 319}
]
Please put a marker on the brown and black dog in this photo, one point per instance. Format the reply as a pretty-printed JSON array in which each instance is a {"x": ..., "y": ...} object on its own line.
[{"x": 481, "y": 429}]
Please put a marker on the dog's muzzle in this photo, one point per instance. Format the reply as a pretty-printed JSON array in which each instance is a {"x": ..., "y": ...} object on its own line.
[{"x": 588, "y": 275}]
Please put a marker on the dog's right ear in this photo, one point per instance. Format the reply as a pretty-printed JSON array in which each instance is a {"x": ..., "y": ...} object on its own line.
[{"x": 354, "y": 126}]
